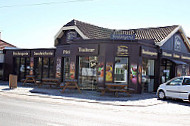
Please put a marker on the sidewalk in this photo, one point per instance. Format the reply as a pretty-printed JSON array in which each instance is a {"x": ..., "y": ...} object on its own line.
[{"x": 138, "y": 100}]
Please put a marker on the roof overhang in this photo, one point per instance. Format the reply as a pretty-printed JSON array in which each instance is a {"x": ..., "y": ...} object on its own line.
[
  {"x": 61, "y": 32},
  {"x": 179, "y": 28}
]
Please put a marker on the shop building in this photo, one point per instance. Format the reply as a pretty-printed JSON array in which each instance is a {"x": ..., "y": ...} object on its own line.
[
  {"x": 142, "y": 58},
  {"x": 22, "y": 62}
]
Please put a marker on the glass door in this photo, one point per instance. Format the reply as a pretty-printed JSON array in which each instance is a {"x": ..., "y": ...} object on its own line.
[
  {"x": 121, "y": 70},
  {"x": 148, "y": 75},
  {"x": 65, "y": 68},
  {"x": 88, "y": 72},
  {"x": 43, "y": 67}
]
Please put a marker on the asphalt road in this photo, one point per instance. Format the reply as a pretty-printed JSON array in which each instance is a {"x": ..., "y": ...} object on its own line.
[{"x": 35, "y": 111}]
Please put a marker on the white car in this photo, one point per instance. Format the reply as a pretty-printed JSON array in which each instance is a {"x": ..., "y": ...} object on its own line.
[{"x": 178, "y": 88}]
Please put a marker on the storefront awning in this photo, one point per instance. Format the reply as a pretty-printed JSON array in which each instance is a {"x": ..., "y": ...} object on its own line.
[{"x": 178, "y": 62}]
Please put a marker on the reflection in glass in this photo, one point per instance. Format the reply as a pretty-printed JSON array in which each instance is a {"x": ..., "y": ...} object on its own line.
[
  {"x": 66, "y": 68},
  {"x": 87, "y": 72},
  {"x": 148, "y": 75},
  {"x": 121, "y": 69}
]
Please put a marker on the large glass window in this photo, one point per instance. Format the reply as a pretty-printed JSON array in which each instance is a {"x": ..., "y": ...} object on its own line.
[
  {"x": 38, "y": 67},
  {"x": 87, "y": 72},
  {"x": 148, "y": 75},
  {"x": 43, "y": 67},
  {"x": 121, "y": 69},
  {"x": 66, "y": 68},
  {"x": 167, "y": 70},
  {"x": 21, "y": 67},
  {"x": 51, "y": 69}
]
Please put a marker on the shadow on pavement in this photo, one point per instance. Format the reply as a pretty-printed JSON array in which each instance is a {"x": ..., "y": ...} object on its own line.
[
  {"x": 86, "y": 94},
  {"x": 179, "y": 102}
]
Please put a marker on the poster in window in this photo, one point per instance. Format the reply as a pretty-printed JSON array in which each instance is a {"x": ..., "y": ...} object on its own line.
[
  {"x": 31, "y": 65},
  {"x": 179, "y": 70},
  {"x": 72, "y": 70},
  {"x": 109, "y": 72},
  {"x": 140, "y": 73},
  {"x": 133, "y": 75},
  {"x": 58, "y": 68},
  {"x": 100, "y": 72}
]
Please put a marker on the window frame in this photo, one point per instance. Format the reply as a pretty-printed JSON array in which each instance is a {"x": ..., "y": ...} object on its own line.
[{"x": 169, "y": 83}]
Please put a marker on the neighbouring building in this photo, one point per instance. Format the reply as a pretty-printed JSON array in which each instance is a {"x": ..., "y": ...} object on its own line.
[
  {"x": 3, "y": 45},
  {"x": 142, "y": 58}
]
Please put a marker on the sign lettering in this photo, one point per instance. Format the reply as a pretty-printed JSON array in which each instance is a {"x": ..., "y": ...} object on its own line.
[
  {"x": 122, "y": 50},
  {"x": 147, "y": 52},
  {"x": 176, "y": 56},
  {"x": 86, "y": 50},
  {"x": 66, "y": 52},
  {"x": 20, "y": 54},
  {"x": 185, "y": 57},
  {"x": 43, "y": 53},
  {"x": 122, "y": 37},
  {"x": 166, "y": 54}
]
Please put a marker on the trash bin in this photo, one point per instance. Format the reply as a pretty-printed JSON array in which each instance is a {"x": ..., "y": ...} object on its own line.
[{"x": 12, "y": 81}]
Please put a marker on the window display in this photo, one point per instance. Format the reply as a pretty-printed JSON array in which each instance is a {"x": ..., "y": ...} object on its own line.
[
  {"x": 66, "y": 68},
  {"x": 88, "y": 72},
  {"x": 21, "y": 67},
  {"x": 148, "y": 75},
  {"x": 43, "y": 67},
  {"x": 121, "y": 69}
]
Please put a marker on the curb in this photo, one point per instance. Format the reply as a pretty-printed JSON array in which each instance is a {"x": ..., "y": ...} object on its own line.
[{"x": 80, "y": 100}]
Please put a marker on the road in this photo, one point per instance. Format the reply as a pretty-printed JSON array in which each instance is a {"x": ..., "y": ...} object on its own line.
[{"x": 18, "y": 110}]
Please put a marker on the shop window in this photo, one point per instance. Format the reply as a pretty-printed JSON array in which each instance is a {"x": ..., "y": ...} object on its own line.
[
  {"x": 88, "y": 72},
  {"x": 121, "y": 70},
  {"x": 1, "y": 71},
  {"x": 148, "y": 75},
  {"x": 66, "y": 68},
  {"x": 43, "y": 67},
  {"x": 168, "y": 70},
  {"x": 38, "y": 67},
  {"x": 21, "y": 67},
  {"x": 51, "y": 69}
]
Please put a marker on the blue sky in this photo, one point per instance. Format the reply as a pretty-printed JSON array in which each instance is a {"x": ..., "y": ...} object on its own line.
[{"x": 26, "y": 24}]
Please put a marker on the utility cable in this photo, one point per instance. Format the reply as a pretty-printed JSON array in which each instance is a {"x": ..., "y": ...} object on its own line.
[{"x": 45, "y": 3}]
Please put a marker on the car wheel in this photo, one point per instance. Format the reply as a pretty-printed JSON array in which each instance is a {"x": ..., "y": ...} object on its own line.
[{"x": 161, "y": 95}]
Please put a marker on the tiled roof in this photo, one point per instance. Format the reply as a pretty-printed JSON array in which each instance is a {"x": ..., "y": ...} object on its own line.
[
  {"x": 91, "y": 31},
  {"x": 95, "y": 32},
  {"x": 157, "y": 34},
  {"x": 4, "y": 44}
]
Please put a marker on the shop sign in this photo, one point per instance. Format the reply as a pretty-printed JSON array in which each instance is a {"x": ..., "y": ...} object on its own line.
[
  {"x": 167, "y": 54},
  {"x": 185, "y": 57},
  {"x": 86, "y": 50},
  {"x": 66, "y": 52},
  {"x": 122, "y": 37},
  {"x": 148, "y": 52},
  {"x": 122, "y": 50},
  {"x": 21, "y": 53},
  {"x": 91, "y": 49},
  {"x": 176, "y": 56},
  {"x": 43, "y": 53}
]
